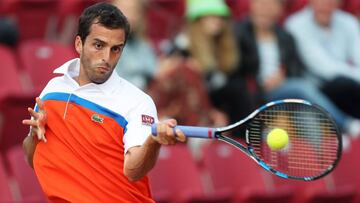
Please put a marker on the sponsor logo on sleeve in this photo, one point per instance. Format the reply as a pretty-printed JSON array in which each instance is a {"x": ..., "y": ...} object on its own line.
[{"x": 147, "y": 120}]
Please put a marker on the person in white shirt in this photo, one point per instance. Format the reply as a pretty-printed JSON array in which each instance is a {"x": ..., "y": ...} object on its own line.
[{"x": 328, "y": 40}]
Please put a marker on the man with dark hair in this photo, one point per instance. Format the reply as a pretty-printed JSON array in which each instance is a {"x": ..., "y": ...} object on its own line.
[
  {"x": 105, "y": 16},
  {"x": 90, "y": 139}
]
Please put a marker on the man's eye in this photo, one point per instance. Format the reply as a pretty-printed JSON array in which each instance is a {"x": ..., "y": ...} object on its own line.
[
  {"x": 116, "y": 49},
  {"x": 98, "y": 45}
]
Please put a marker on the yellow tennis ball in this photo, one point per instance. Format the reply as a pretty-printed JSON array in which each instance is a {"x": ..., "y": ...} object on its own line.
[{"x": 277, "y": 139}]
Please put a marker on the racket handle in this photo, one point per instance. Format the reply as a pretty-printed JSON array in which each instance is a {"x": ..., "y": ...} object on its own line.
[{"x": 191, "y": 131}]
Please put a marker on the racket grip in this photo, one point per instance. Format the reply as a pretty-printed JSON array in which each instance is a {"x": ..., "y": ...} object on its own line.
[{"x": 191, "y": 131}]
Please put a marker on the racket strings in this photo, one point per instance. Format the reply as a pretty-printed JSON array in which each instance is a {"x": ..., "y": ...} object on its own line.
[
  {"x": 313, "y": 143},
  {"x": 302, "y": 134}
]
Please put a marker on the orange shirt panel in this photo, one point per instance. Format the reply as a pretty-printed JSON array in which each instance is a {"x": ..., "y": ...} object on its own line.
[{"x": 83, "y": 158}]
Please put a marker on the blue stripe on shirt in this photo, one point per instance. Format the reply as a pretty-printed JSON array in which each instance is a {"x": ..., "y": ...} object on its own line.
[{"x": 72, "y": 98}]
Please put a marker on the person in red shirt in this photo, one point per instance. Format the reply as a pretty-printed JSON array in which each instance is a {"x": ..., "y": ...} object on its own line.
[{"x": 90, "y": 132}]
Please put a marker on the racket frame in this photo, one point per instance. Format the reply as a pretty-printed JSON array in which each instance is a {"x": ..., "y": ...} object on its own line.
[
  {"x": 216, "y": 133},
  {"x": 250, "y": 151}
]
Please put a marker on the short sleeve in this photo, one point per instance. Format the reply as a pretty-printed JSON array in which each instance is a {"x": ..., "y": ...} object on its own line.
[{"x": 139, "y": 123}]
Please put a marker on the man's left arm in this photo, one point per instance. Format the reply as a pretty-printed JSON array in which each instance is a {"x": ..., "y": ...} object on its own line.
[{"x": 37, "y": 122}]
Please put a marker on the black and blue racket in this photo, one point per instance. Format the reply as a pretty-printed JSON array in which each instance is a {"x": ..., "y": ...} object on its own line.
[{"x": 291, "y": 138}]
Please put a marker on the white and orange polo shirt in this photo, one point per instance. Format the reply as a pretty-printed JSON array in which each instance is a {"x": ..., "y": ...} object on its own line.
[{"x": 89, "y": 130}]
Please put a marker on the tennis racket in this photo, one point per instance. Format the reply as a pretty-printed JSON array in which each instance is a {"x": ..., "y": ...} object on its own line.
[{"x": 314, "y": 142}]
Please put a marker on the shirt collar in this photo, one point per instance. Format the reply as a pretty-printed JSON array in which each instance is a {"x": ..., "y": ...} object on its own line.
[{"x": 71, "y": 69}]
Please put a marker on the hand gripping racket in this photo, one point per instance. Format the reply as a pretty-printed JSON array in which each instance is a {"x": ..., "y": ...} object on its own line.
[{"x": 314, "y": 142}]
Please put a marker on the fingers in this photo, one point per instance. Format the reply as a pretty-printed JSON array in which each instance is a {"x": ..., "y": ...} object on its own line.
[
  {"x": 170, "y": 135},
  {"x": 161, "y": 134},
  {"x": 35, "y": 130},
  {"x": 40, "y": 103},
  {"x": 30, "y": 122},
  {"x": 41, "y": 115},
  {"x": 180, "y": 136},
  {"x": 33, "y": 113},
  {"x": 41, "y": 134},
  {"x": 38, "y": 120},
  {"x": 171, "y": 122},
  {"x": 167, "y": 135}
]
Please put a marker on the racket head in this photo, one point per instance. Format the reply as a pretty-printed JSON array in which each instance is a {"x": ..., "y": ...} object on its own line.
[{"x": 314, "y": 147}]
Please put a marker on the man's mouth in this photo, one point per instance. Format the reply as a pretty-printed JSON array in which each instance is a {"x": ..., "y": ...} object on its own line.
[{"x": 103, "y": 69}]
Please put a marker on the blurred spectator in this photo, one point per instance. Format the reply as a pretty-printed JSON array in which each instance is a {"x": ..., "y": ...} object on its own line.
[
  {"x": 9, "y": 33},
  {"x": 197, "y": 63},
  {"x": 328, "y": 40},
  {"x": 209, "y": 38},
  {"x": 139, "y": 61},
  {"x": 178, "y": 88},
  {"x": 271, "y": 59},
  {"x": 207, "y": 43},
  {"x": 179, "y": 92}
]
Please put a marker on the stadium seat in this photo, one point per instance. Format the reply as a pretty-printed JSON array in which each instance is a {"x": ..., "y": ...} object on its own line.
[
  {"x": 323, "y": 190},
  {"x": 294, "y": 6},
  {"x": 239, "y": 8},
  {"x": 176, "y": 178},
  {"x": 6, "y": 6},
  {"x": 13, "y": 110},
  {"x": 39, "y": 58},
  {"x": 9, "y": 79},
  {"x": 175, "y": 7},
  {"x": 164, "y": 20},
  {"x": 74, "y": 7},
  {"x": 352, "y": 6},
  {"x": 25, "y": 177},
  {"x": 68, "y": 12},
  {"x": 5, "y": 192},
  {"x": 13, "y": 102},
  {"x": 347, "y": 169},
  {"x": 346, "y": 173},
  {"x": 232, "y": 171},
  {"x": 34, "y": 17}
]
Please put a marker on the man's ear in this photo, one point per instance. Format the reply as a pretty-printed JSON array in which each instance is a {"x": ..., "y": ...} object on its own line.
[{"x": 78, "y": 44}]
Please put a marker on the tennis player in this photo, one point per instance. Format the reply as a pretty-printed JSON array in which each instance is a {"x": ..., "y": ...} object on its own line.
[{"x": 90, "y": 136}]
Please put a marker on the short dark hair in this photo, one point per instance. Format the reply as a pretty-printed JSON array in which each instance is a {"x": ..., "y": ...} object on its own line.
[{"x": 105, "y": 14}]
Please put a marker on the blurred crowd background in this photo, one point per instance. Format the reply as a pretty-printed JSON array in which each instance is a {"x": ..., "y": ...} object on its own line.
[{"x": 204, "y": 62}]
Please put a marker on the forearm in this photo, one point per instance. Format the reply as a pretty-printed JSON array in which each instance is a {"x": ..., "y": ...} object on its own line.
[
  {"x": 140, "y": 160},
  {"x": 29, "y": 146}
]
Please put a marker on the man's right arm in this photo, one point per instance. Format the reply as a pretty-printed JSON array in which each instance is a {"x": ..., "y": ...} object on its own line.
[{"x": 139, "y": 160}]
